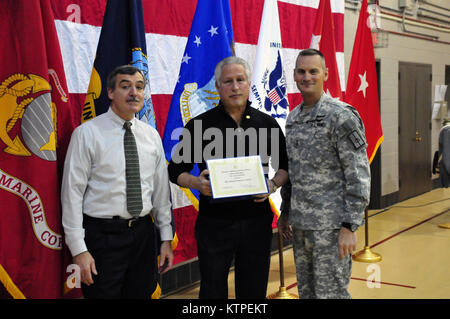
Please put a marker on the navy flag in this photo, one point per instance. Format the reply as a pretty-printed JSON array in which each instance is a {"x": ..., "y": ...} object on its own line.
[{"x": 122, "y": 41}]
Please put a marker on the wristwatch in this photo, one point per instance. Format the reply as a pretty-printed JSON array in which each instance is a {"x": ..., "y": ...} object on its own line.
[{"x": 350, "y": 227}]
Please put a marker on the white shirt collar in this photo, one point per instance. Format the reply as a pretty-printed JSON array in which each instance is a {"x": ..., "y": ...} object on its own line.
[{"x": 117, "y": 119}]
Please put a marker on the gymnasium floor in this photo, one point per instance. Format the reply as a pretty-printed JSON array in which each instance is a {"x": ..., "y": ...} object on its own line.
[{"x": 415, "y": 254}]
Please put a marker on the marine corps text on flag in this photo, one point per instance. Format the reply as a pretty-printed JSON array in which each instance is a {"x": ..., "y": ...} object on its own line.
[{"x": 36, "y": 121}]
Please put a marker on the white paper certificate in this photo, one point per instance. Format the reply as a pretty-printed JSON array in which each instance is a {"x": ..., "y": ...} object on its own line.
[{"x": 238, "y": 176}]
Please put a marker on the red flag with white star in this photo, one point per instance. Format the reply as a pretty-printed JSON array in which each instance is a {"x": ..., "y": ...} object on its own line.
[
  {"x": 323, "y": 39},
  {"x": 362, "y": 88}
]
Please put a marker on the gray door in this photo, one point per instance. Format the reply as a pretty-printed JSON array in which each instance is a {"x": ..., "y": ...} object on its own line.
[{"x": 414, "y": 129}]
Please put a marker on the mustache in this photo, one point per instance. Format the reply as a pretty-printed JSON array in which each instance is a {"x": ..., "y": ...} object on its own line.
[{"x": 133, "y": 99}]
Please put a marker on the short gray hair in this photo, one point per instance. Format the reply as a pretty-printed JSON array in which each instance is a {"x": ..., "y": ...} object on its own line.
[{"x": 231, "y": 60}]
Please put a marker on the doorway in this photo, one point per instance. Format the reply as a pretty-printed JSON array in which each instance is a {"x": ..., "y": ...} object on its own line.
[{"x": 414, "y": 129}]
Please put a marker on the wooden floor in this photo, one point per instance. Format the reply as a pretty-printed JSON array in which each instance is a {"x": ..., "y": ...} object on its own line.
[{"x": 415, "y": 254}]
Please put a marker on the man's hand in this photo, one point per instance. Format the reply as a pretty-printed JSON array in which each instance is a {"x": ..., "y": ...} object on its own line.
[
  {"x": 166, "y": 260},
  {"x": 201, "y": 183},
  {"x": 284, "y": 229},
  {"x": 347, "y": 242},
  {"x": 204, "y": 185},
  {"x": 87, "y": 267},
  {"x": 263, "y": 197}
]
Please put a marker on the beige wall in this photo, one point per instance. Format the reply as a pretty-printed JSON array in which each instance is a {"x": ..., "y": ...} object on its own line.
[{"x": 400, "y": 49}]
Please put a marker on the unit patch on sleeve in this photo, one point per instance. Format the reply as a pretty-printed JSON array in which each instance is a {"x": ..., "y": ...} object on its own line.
[{"x": 356, "y": 139}]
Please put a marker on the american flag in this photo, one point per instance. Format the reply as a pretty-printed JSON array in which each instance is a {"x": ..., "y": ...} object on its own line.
[
  {"x": 274, "y": 96},
  {"x": 167, "y": 26}
]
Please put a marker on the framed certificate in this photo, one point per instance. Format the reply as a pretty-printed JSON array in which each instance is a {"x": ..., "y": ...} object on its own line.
[{"x": 235, "y": 177}]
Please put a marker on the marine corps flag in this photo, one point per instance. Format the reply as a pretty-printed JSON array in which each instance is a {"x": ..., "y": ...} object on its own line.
[
  {"x": 122, "y": 41},
  {"x": 362, "y": 88},
  {"x": 323, "y": 39},
  {"x": 35, "y": 126}
]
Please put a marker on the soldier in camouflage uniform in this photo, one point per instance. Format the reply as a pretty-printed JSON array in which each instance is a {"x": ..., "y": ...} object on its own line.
[{"x": 330, "y": 180}]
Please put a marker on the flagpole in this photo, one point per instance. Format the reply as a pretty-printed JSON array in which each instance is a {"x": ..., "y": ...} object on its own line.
[
  {"x": 367, "y": 255},
  {"x": 362, "y": 71},
  {"x": 282, "y": 293}
]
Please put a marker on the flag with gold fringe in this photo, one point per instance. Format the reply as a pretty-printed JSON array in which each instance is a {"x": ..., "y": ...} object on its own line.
[
  {"x": 362, "y": 86},
  {"x": 36, "y": 121}
]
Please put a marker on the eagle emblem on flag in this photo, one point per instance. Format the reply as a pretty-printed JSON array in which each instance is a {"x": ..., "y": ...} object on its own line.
[
  {"x": 26, "y": 97},
  {"x": 276, "y": 103}
]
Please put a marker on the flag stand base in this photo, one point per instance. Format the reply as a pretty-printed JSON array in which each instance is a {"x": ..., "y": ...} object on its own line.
[
  {"x": 367, "y": 256},
  {"x": 282, "y": 294}
]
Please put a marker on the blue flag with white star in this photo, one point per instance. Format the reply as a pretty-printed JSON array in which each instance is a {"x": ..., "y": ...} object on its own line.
[{"x": 210, "y": 40}]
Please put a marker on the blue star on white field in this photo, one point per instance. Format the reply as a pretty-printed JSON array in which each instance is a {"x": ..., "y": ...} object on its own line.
[
  {"x": 197, "y": 41},
  {"x": 186, "y": 59},
  {"x": 213, "y": 30},
  {"x": 364, "y": 85}
]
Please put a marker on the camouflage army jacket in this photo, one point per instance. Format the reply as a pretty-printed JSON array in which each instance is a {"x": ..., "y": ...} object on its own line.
[{"x": 328, "y": 166}]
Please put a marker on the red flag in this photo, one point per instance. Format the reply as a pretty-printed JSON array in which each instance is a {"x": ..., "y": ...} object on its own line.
[
  {"x": 35, "y": 126},
  {"x": 362, "y": 88},
  {"x": 324, "y": 40}
]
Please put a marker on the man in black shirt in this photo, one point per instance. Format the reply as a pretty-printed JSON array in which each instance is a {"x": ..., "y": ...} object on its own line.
[{"x": 237, "y": 228}]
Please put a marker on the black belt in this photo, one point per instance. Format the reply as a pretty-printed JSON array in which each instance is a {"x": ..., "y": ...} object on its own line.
[{"x": 116, "y": 221}]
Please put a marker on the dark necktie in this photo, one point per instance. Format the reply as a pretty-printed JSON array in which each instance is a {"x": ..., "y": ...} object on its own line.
[{"x": 133, "y": 177}]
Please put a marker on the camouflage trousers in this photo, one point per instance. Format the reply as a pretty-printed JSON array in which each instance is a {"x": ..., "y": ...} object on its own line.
[{"x": 321, "y": 273}]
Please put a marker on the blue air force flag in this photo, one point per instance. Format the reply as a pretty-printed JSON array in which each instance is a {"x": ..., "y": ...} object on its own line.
[
  {"x": 268, "y": 91},
  {"x": 210, "y": 40},
  {"x": 122, "y": 41}
]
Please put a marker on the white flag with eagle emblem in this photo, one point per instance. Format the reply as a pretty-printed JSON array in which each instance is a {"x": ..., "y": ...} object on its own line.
[{"x": 268, "y": 92}]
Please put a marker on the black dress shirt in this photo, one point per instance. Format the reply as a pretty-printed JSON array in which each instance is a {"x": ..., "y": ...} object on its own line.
[{"x": 257, "y": 134}]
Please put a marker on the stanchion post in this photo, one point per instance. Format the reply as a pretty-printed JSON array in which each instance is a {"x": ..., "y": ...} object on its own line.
[
  {"x": 366, "y": 255},
  {"x": 282, "y": 292}
]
